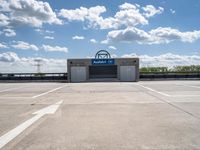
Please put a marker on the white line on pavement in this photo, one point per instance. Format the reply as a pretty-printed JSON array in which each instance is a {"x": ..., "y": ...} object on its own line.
[
  {"x": 9, "y": 136},
  {"x": 150, "y": 89},
  {"x": 190, "y": 86},
  {"x": 185, "y": 95},
  {"x": 49, "y": 91}
]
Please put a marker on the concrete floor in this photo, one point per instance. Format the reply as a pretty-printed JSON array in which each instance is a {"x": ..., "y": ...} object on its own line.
[{"x": 101, "y": 116}]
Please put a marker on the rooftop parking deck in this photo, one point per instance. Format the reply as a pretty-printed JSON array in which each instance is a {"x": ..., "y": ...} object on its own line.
[{"x": 100, "y": 116}]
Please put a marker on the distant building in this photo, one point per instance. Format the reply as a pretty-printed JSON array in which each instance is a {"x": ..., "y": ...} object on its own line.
[{"x": 103, "y": 68}]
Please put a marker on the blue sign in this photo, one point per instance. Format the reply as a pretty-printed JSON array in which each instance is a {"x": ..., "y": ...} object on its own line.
[{"x": 103, "y": 61}]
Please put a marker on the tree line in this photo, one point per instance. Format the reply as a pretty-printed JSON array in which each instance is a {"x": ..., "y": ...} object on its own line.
[{"x": 191, "y": 68}]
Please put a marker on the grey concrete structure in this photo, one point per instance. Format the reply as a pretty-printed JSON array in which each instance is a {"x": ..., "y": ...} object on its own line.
[
  {"x": 120, "y": 69},
  {"x": 147, "y": 115}
]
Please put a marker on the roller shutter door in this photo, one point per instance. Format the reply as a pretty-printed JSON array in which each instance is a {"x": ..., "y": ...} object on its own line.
[
  {"x": 78, "y": 74},
  {"x": 127, "y": 73},
  {"x": 103, "y": 71}
]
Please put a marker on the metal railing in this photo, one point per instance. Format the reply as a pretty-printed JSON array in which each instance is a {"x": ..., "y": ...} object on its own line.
[
  {"x": 64, "y": 76},
  {"x": 33, "y": 76},
  {"x": 169, "y": 75}
]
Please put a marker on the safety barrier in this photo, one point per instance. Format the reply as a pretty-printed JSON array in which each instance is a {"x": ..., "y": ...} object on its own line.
[
  {"x": 33, "y": 76},
  {"x": 169, "y": 75},
  {"x": 63, "y": 76}
]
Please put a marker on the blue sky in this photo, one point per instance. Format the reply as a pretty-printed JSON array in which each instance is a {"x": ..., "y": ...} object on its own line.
[{"x": 167, "y": 31}]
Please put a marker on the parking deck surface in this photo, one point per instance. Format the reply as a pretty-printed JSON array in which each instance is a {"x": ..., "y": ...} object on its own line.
[{"x": 100, "y": 116}]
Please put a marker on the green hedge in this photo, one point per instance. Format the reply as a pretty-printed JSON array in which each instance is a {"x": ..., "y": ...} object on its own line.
[{"x": 192, "y": 68}]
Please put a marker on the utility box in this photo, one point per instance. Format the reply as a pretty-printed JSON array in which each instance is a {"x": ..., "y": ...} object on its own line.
[{"x": 103, "y": 69}]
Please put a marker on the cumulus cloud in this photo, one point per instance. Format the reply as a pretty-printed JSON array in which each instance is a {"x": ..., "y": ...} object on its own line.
[
  {"x": 92, "y": 14},
  {"x": 9, "y": 32},
  {"x": 78, "y": 37},
  {"x": 128, "y": 6},
  {"x": 49, "y": 48},
  {"x": 27, "y": 46},
  {"x": 166, "y": 35},
  {"x": 2, "y": 45},
  {"x": 8, "y": 57},
  {"x": 128, "y": 15},
  {"x": 49, "y": 37},
  {"x": 4, "y": 20},
  {"x": 112, "y": 47},
  {"x": 93, "y": 41},
  {"x": 150, "y": 10},
  {"x": 24, "y": 46},
  {"x": 127, "y": 35},
  {"x": 155, "y": 36},
  {"x": 166, "y": 60},
  {"x": 10, "y": 62},
  {"x": 30, "y": 12}
]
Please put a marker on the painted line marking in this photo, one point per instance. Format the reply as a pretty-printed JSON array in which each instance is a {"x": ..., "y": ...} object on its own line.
[
  {"x": 150, "y": 89},
  {"x": 9, "y": 136},
  {"x": 190, "y": 86},
  {"x": 49, "y": 91},
  {"x": 185, "y": 95}
]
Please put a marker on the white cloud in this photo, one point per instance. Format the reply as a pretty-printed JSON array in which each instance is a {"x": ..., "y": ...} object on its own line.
[
  {"x": 29, "y": 12},
  {"x": 128, "y": 6},
  {"x": 38, "y": 30},
  {"x": 172, "y": 11},
  {"x": 8, "y": 57},
  {"x": 150, "y": 10},
  {"x": 93, "y": 41},
  {"x": 78, "y": 14},
  {"x": 9, "y": 32},
  {"x": 2, "y": 45},
  {"x": 166, "y": 35},
  {"x": 78, "y": 37},
  {"x": 49, "y": 48},
  {"x": 4, "y": 20},
  {"x": 4, "y": 6},
  {"x": 112, "y": 47},
  {"x": 49, "y": 37},
  {"x": 166, "y": 60},
  {"x": 48, "y": 31},
  {"x": 10, "y": 62},
  {"x": 25, "y": 46},
  {"x": 104, "y": 42},
  {"x": 128, "y": 15},
  {"x": 91, "y": 14},
  {"x": 127, "y": 35},
  {"x": 44, "y": 32},
  {"x": 155, "y": 36}
]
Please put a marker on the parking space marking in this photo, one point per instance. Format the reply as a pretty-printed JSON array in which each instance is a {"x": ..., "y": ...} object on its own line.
[
  {"x": 9, "y": 136},
  {"x": 185, "y": 95},
  {"x": 49, "y": 91},
  {"x": 150, "y": 89},
  {"x": 190, "y": 86}
]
